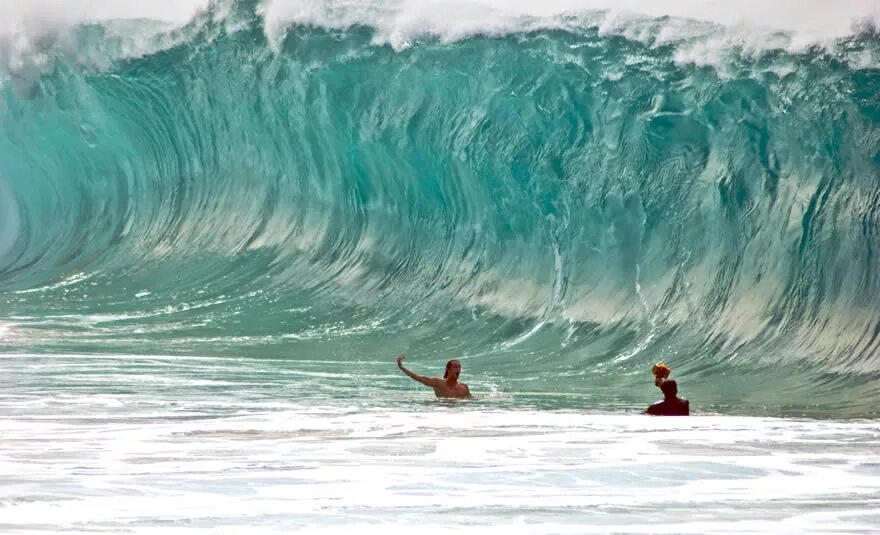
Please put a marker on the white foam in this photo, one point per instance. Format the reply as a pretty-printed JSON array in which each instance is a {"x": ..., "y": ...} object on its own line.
[
  {"x": 814, "y": 16},
  {"x": 397, "y": 21},
  {"x": 827, "y": 18},
  {"x": 34, "y": 13},
  {"x": 174, "y": 451},
  {"x": 27, "y": 29}
]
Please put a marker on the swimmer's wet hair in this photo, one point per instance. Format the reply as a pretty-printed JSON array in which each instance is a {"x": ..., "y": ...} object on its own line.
[
  {"x": 448, "y": 363},
  {"x": 669, "y": 388}
]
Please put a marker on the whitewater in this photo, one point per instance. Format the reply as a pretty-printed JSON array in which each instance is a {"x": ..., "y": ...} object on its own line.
[{"x": 220, "y": 222}]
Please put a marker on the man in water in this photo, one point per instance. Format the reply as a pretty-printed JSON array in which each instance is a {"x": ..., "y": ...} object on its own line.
[
  {"x": 672, "y": 405},
  {"x": 447, "y": 387}
]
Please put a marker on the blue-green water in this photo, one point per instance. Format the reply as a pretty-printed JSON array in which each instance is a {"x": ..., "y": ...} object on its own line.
[
  {"x": 559, "y": 207},
  {"x": 96, "y": 444},
  {"x": 215, "y": 238}
]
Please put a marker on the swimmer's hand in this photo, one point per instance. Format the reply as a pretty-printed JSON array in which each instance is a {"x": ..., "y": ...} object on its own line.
[{"x": 433, "y": 382}]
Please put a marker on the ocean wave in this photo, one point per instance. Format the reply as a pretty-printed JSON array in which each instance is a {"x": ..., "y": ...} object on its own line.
[{"x": 567, "y": 191}]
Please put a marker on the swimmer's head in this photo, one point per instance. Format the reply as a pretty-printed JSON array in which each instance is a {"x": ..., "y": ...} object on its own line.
[
  {"x": 669, "y": 388},
  {"x": 453, "y": 369}
]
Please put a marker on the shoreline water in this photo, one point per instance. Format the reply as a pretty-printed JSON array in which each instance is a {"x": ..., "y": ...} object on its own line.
[
  {"x": 166, "y": 454},
  {"x": 92, "y": 449}
]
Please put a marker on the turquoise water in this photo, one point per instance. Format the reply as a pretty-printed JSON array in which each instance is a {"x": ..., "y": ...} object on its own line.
[
  {"x": 130, "y": 444},
  {"x": 216, "y": 237}
]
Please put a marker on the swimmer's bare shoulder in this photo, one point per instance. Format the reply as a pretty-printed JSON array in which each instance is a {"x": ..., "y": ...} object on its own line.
[
  {"x": 460, "y": 391},
  {"x": 447, "y": 387}
]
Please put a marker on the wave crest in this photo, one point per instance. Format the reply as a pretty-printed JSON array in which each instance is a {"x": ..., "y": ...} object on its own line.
[{"x": 572, "y": 196}]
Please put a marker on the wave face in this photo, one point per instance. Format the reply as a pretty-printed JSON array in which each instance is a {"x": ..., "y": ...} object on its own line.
[{"x": 560, "y": 203}]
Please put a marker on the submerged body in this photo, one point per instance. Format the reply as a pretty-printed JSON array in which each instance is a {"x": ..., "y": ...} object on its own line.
[
  {"x": 672, "y": 405},
  {"x": 445, "y": 387}
]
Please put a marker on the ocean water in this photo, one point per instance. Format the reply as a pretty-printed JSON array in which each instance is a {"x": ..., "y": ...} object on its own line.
[
  {"x": 220, "y": 222},
  {"x": 103, "y": 444}
]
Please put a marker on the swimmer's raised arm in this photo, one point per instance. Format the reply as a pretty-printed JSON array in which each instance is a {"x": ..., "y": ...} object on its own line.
[{"x": 433, "y": 382}]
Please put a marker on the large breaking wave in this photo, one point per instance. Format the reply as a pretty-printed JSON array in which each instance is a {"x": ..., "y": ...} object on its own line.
[{"x": 560, "y": 199}]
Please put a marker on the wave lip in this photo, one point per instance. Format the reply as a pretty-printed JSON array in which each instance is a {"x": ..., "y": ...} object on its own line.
[
  {"x": 32, "y": 29},
  {"x": 809, "y": 16}
]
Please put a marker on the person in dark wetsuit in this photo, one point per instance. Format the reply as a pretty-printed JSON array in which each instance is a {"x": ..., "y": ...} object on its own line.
[{"x": 672, "y": 405}]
